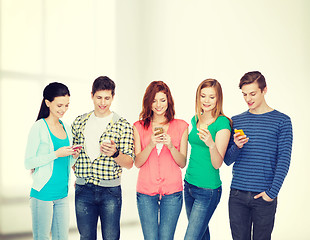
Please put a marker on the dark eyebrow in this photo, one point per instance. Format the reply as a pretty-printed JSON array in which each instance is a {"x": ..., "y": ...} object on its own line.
[{"x": 249, "y": 92}]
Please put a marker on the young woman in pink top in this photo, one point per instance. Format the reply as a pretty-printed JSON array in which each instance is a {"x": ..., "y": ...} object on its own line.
[{"x": 159, "y": 155}]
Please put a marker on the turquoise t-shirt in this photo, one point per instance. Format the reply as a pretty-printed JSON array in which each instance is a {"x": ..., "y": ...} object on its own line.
[
  {"x": 57, "y": 186},
  {"x": 200, "y": 171}
]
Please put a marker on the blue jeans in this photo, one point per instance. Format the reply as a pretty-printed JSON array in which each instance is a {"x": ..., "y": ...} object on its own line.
[
  {"x": 50, "y": 216},
  {"x": 159, "y": 217},
  {"x": 93, "y": 202},
  {"x": 246, "y": 212},
  {"x": 200, "y": 205}
]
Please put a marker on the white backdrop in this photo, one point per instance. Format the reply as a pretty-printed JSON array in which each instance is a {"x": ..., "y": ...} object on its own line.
[{"x": 135, "y": 42}]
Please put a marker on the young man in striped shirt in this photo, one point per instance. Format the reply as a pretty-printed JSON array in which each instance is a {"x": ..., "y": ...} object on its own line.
[{"x": 261, "y": 160}]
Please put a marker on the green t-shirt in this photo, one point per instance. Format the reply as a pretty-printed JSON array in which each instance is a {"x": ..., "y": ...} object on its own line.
[{"x": 200, "y": 171}]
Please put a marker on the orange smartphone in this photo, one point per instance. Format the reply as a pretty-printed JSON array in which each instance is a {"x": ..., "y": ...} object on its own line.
[{"x": 239, "y": 131}]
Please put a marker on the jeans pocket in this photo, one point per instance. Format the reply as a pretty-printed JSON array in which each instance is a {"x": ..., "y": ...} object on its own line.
[
  {"x": 115, "y": 191},
  {"x": 234, "y": 192},
  {"x": 78, "y": 189},
  {"x": 266, "y": 202}
]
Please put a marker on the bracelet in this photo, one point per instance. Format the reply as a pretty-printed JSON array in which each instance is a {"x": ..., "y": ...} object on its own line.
[{"x": 115, "y": 155}]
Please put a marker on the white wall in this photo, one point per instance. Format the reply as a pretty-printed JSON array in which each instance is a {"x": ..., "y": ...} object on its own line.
[{"x": 135, "y": 42}]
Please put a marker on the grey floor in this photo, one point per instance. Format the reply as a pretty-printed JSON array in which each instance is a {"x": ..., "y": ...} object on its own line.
[{"x": 129, "y": 231}]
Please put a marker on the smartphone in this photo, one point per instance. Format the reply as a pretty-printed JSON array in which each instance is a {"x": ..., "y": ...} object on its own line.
[
  {"x": 77, "y": 147},
  {"x": 239, "y": 131},
  {"x": 203, "y": 126},
  {"x": 158, "y": 130}
]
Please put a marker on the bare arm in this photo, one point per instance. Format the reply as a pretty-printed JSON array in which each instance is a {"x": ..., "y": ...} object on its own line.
[
  {"x": 141, "y": 156},
  {"x": 217, "y": 148},
  {"x": 124, "y": 160},
  {"x": 109, "y": 149},
  {"x": 178, "y": 156}
]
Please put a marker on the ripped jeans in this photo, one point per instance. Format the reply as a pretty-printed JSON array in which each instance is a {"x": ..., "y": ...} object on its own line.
[{"x": 93, "y": 202}]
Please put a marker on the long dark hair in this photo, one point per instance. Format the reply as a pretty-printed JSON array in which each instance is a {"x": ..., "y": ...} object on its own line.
[{"x": 51, "y": 91}]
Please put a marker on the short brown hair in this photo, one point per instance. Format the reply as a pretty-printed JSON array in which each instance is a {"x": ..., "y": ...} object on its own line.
[
  {"x": 103, "y": 83},
  {"x": 252, "y": 77}
]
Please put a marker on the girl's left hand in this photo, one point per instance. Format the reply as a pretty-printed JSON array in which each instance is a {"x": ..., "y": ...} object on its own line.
[
  {"x": 167, "y": 141},
  {"x": 205, "y": 136}
]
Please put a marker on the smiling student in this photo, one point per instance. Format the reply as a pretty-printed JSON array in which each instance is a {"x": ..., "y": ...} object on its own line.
[
  {"x": 107, "y": 147},
  {"x": 161, "y": 150},
  {"x": 208, "y": 138},
  {"x": 50, "y": 157},
  {"x": 261, "y": 161}
]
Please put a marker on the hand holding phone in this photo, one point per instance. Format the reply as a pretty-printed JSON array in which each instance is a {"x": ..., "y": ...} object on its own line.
[
  {"x": 106, "y": 141},
  {"x": 240, "y": 139},
  {"x": 77, "y": 147},
  {"x": 158, "y": 130},
  {"x": 203, "y": 126},
  {"x": 239, "y": 131}
]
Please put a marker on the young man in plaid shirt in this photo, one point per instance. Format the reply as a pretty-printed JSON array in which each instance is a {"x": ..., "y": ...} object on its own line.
[{"x": 107, "y": 146}]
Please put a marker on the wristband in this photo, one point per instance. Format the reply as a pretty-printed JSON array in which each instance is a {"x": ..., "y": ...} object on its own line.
[{"x": 115, "y": 155}]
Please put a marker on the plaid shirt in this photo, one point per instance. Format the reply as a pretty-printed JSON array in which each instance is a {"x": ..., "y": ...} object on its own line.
[{"x": 103, "y": 167}]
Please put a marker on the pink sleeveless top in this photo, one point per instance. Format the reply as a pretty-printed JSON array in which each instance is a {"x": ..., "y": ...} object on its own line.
[{"x": 160, "y": 174}]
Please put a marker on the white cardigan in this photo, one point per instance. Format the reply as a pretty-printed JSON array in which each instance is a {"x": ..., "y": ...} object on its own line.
[{"x": 40, "y": 154}]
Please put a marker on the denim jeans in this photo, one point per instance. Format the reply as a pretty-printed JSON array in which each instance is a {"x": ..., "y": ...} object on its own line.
[
  {"x": 200, "y": 205},
  {"x": 246, "y": 212},
  {"x": 50, "y": 216},
  {"x": 93, "y": 202},
  {"x": 159, "y": 217}
]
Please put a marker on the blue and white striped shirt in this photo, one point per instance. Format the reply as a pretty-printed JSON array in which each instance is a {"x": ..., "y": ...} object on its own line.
[{"x": 263, "y": 162}]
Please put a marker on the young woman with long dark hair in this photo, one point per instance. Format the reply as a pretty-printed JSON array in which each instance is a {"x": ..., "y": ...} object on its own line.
[{"x": 50, "y": 157}]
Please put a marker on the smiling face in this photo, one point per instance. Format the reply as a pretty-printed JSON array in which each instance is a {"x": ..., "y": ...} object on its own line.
[
  {"x": 208, "y": 99},
  {"x": 254, "y": 97},
  {"x": 102, "y": 102},
  {"x": 58, "y": 106},
  {"x": 160, "y": 104}
]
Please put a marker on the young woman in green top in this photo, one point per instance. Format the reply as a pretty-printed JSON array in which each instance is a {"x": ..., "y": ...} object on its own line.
[{"x": 208, "y": 138}]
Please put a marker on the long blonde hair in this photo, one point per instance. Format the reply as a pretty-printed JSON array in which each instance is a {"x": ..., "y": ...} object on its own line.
[{"x": 218, "y": 110}]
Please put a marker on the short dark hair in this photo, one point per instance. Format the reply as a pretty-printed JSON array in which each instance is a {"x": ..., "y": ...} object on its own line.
[
  {"x": 103, "y": 83},
  {"x": 251, "y": 77}
]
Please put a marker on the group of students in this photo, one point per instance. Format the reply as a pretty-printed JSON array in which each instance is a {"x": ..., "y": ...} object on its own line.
[{"x": 100, "y": 143}]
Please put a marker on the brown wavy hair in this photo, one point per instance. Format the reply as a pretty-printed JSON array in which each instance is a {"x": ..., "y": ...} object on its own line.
[
  {"x": 218, "y": 110},
  {"x": 146, "y": 114}
]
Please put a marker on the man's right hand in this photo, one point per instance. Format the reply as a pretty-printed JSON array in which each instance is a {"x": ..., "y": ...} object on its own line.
[{"x": 240, "y": 140}]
